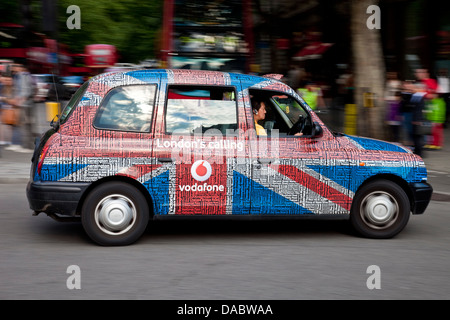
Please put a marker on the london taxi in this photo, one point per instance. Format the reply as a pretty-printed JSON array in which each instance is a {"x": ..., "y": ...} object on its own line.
[{"x": 132, "y": 147}]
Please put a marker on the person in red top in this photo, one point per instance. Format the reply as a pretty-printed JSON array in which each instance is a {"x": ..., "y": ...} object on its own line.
[{"x": 424, "y": 76}]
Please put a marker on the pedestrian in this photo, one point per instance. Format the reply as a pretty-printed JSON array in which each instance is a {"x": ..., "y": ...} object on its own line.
[
  {"x": 9, "y": 111},
  {"x": 436, "y": 109},
  {"x": 312, "y": 94},
  {"x": 406, "y": 110},
  {"x": 444, "y": 91},
  {"x": 430, "y": 84},
  {"x": 393, "y": 85},
  {"x": 394, "y": 117},
  {"x": 24, "y": 94},
  {"x": 393, "y": 103},
  {"x": 417, "y": 106}
]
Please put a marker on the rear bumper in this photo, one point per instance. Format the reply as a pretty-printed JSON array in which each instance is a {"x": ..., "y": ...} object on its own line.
[
  {"x": 60, "y": 198},
  {"x": 422, "y": 192}
]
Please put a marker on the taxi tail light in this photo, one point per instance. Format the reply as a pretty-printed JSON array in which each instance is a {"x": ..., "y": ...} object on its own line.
[{"x": 41, "y": 159}]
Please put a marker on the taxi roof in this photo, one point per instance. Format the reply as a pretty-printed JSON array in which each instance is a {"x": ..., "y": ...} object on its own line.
[{"x": 183, "y": 76}]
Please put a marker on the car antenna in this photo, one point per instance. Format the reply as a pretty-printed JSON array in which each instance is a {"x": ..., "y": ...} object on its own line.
[
  {"x": 57, "y": 99},
  {"x": 52, "y": 124}
]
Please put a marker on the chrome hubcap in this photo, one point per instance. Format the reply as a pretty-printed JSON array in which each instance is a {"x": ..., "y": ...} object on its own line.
[
  {"x": 379, "y": 210},
  {"x": 115, "y": 214}
]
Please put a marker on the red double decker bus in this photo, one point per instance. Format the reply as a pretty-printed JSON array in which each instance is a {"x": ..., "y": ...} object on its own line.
[
  {"x": 39, "y": 53},
  {"x": 95, "y": 59},
  {"x": 100, "y": 55}
]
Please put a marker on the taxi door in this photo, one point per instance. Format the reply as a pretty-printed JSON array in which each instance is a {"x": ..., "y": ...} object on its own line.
[
  {"x": 294, "y": 174},
  {"x": 195, "y": 149}
]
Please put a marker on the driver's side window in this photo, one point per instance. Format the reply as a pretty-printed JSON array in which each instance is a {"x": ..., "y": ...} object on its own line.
[{"x": 283, "y": 113}]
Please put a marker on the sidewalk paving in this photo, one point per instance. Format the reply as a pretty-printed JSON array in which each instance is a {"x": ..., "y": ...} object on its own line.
[
  {"x": 439, "y": 160},
  {"x": 14, "y": 166}
]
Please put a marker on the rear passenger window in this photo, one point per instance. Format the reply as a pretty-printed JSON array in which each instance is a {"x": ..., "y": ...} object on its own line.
[
  {"x": 127, "y": 108},
  {"x": 198, "y": 109}
]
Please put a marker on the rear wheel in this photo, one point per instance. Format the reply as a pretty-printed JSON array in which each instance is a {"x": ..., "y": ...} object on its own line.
[
  {"x": 381, "y": 209},
  {"x": 115, "y": 213}
]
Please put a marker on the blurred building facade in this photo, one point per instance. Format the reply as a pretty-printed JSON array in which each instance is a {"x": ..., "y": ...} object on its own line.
[
  {"x": 414, "y": 33},
  {"x": 417, "y": 34},
  {"x": 283, "y": 28}
]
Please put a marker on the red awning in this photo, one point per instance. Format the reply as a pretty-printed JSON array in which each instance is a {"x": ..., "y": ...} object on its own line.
[{"x": 312, "y": 51}]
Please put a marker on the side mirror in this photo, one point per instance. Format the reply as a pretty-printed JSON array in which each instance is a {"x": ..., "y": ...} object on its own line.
[{"x": 317, "y": 130}]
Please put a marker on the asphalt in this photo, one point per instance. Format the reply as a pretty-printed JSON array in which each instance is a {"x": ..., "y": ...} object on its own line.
[{"x": 15, "y": 166}]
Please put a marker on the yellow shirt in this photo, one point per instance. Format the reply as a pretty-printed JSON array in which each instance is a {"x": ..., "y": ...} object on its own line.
[{"x": 260, "y": 131}]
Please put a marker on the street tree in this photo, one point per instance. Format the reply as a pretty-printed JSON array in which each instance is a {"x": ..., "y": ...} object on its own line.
[
  {"x": 369, "y": 68},
  {"x": 131, "y": 25}
]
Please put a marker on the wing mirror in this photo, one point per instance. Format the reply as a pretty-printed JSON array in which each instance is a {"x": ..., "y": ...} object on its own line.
[{"x": 317, "y": 130}]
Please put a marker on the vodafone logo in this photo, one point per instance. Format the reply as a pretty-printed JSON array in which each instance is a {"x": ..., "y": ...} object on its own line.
[{"x": 201, "y": 170}]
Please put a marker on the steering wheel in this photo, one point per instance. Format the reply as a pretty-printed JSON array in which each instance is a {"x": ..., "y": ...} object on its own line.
[{"x": 298, "y": 126}]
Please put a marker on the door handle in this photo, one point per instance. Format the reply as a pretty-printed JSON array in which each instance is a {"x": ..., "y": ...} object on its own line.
[
  {"x": 165, "y": 159},
  {"x": 262, "y": 161},
  {"x": 265, "y": 161}
]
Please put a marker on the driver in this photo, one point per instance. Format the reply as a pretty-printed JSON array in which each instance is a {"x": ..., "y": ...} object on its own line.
[{"x": 259, "y": 113}]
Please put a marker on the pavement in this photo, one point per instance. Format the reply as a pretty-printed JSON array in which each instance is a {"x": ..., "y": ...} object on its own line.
[{"x": 15, "y": 166}]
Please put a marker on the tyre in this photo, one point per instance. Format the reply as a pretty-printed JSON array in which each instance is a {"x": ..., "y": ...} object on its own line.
[
  {"x": 115, "y": 214},
  {"x": 380, "y": 210}
]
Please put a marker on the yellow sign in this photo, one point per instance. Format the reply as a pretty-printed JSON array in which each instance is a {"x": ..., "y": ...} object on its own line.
[{"x": 369, "y": 98}]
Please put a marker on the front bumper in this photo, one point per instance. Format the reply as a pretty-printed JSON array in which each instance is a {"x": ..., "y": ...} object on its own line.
[
  {"x": 60, "y": 198},
  {"x": 422, "y": 192}
]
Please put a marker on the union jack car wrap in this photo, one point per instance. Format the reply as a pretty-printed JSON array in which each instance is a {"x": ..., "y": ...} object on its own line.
[{"x": 220, "y": 168}]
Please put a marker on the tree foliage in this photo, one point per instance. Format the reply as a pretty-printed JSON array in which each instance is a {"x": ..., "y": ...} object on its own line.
[
  {"x": 130, "y": 25},
  {"x": 10, "y": 11}
]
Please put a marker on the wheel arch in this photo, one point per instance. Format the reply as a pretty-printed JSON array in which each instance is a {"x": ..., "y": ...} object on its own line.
[
  {"x": 394, "y": 178},
  {"x": 117, "y": 178}
]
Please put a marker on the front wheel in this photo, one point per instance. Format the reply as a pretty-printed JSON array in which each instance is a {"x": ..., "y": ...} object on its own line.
[
  {"x": 381, "y": 209},
  {"x": 115, "y": 213}
]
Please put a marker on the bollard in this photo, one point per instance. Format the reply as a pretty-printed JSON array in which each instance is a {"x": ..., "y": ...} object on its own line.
[{"x": 52, "y": 109}]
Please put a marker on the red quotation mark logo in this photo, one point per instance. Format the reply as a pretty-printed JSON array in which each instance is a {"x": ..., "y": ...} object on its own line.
[{"x": 201, "y": 170}]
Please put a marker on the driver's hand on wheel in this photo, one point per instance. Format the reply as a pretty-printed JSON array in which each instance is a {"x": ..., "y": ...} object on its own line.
[{"x": 298, "y": 134}]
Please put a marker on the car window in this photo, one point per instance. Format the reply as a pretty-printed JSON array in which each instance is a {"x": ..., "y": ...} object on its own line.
[
  {"x": 127, "y": 108},
  {"x": 73, "y": 102},
  {"x": 196, "y": 109},
  {"x": 282, "y": 113},
  {"x": 291, "y": 108}
]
